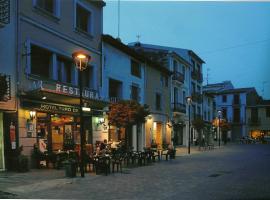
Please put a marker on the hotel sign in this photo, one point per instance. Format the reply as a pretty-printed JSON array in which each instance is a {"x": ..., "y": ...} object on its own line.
[
  {"x": 59, "y": 88},
  {"x": 54, "y": 108}
]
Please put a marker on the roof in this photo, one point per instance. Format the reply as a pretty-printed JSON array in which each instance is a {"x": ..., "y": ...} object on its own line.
[
  {"x": 131, "y": 52},
  {"x": 238, "y": 90},
  {"x": 184, "y": 53}
]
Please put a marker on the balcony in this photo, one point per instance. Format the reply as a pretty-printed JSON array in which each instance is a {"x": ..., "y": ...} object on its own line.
[
  {"x": 197, "y": 75},
  {"x": 179, "y": 107},
  {"x": 4, "y": 12},
  {"x": 196, "y": 97},
  {"x": 114, "y": 99},
  {"x": 254, "y": 121},
  {"x": 177, "y": 76}
]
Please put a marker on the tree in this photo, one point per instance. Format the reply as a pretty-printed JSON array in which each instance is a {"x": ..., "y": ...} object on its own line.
[
  {"x": 198, "y": 124},
  {"x": 125, "y": 113},
  {"x": 224, "y": 127}
]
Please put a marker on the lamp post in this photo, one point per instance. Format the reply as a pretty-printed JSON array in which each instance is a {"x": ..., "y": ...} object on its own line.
[
  {"x": 219, "y": 116},
  {"x": 189, "y": 101},
  {"x": 81, "y": 61}
]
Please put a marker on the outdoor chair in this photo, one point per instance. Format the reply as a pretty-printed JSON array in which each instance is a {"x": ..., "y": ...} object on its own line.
[
  {"x": 164, "y": 153},
  {"x": 117, "y": 161}
]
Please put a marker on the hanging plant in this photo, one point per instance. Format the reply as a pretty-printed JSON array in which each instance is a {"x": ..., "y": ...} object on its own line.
[{"x": 3, "y": 87}]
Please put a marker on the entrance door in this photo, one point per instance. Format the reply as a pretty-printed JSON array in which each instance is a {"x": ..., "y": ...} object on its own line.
[
  {"x": 178, "y": 135},
  {"x": 159, "y": 134}
]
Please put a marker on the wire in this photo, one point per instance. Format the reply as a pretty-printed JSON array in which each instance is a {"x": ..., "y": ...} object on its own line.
[{"x": 235, "y": 46}]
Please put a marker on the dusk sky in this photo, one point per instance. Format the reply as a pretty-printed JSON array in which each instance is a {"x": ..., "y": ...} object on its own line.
[{"x": 233, "y": 38}]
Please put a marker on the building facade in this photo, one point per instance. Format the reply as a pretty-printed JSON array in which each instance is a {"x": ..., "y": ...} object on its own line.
[
  {"x": 186, "y": 81},
  {"x": 233, "y": 103},
  {"x": 258, "y": 120},
  {"x": 46, "y": 34},
  {"x": 8, "y": 100},
  {"x": 123, "y": 78}
]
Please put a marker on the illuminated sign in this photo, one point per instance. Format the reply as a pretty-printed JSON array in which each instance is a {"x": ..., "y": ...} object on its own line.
[{"x": 60, "y": 88}]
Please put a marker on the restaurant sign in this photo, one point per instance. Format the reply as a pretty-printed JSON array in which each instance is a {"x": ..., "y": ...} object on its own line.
[
  {"x": 54, "y": 108},
  {"x": 63, "y": 89}
]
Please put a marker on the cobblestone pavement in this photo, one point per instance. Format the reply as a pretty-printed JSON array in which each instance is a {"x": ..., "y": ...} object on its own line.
[{"x": 229, "y": 172}]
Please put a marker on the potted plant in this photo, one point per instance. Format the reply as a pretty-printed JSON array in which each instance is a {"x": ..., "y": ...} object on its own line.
[{"x": 70, "y": 165}]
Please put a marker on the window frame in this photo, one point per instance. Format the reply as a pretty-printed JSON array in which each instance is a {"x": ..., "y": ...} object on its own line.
[
  {"x": 132, "y": 72},
  {"x": 156, "y": 103},
  {"x": 91, "y": 22},
  {"x": 56, "y": 10}
]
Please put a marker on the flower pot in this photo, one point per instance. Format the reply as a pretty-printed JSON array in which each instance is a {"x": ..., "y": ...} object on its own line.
[{"x": 70, "y": 168}]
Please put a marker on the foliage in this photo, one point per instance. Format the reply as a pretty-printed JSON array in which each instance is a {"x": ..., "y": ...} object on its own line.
[
  {"x": 224, "y": 125},
  {"x": 3, "y": 87},
  {"x": 198, "y": 123},
  {"x": 127, "y": 112}
]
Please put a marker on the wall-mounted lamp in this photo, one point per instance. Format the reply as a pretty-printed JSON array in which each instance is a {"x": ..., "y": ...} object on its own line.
[
  {"x": 32, "y": 114},
  {"x": 149, "y": 117}
]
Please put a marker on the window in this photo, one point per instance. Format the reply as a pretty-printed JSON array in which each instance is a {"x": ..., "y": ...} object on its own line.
[
  {"x": 267, "y": 111},
  {"x": 158, "y": 101},
  {"x": 224, "y": 98},
  {"x": 193, "y": 87},
  {"x": 41, "y": 61},
  {"x": 254, "y": 113},
  {"x": 64, "y": 69},
  {"x": 47, "y": 5},
  {"x": 236, "y": 99},
  {"x": 236, "y": 115},
  {"x": 224, "y": 113},
  {"x": 184, "y": 97},
  {"x": 175, "y": 66},
  {"x": 83, "y": 19},
  {"x": 166, "y": 79},
  {"x": 175, "y": 95},
  {"x": 198, "y": 110},
  {"x": 135, "y": 68},
  {"x": 135, "y": 93},
  {"x": 209, "y": 115},
  {"x": 193, "y": 65},
  {"x": 184, "y": 71}
]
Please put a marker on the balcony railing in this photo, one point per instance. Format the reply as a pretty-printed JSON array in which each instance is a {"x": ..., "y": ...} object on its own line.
[
  {"x": 114, "y": 99},
  {"x": 196, "y": 97},
  {"x": 254, "y": 121},
  {"x": 177, "y": 76},
  {"x": 179, "y": 107},
  {"x": 197, "y": 75},
  {"x": 4, "y": 12}
]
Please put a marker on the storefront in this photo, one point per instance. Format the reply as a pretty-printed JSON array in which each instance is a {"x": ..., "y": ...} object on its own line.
[{"x": 49, "y": 117}]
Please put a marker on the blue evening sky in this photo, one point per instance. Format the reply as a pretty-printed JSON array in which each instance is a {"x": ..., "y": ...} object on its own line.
[{"x": 233, "y": 38}]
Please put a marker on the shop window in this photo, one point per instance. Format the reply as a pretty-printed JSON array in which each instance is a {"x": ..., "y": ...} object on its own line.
[
  {"x": 64, "y": 68},
  {"x": 41, "y": 61},
  {"x": 83, "y": 19},
  {"x": 135, "y": 68}
]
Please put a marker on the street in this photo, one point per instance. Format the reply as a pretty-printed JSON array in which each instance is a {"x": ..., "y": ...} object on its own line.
[{"x": 235, "y": 171}]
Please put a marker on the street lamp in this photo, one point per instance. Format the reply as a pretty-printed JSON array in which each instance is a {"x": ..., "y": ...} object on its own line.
[
  {"x": 219, "y": 116},
  {"x": 189, "y": 101},
  {"x": 81, "y": 61}
]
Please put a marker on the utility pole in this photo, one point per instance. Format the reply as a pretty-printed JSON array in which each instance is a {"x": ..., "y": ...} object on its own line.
[{"x": 118, "y": 7}]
